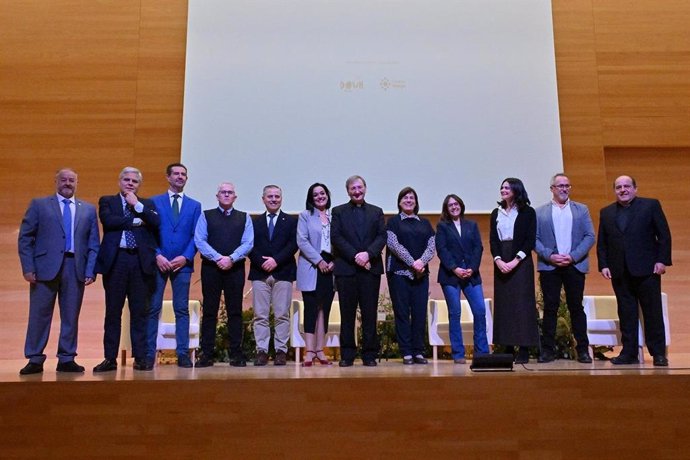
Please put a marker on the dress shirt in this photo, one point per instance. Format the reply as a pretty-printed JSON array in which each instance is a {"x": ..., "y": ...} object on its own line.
[
  {"x": 201, "y": 239},
  {"x": 139, "y": 207},
  {"x": 562, "y": 217},
  {"x": 275, "y": 217},
  {"x": 72, "y": 208},
  {"x": 180, "y": 198},
  {"x": 505, "y": 224}
]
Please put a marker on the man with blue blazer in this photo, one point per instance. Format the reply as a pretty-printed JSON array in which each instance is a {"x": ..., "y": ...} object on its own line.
[
  {"x": 175, "y": 260},
  {"x": 358, "y": 235},
  {"x": 58, "y": 243},
  {"x": 634, "y": 249},
  {"x": 272, "y": 271},
  {"x": 565, "y": 234},
  {"x": 127, "y": 260}
]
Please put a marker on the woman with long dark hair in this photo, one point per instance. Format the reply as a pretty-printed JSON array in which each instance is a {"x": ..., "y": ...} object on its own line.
[
  {"x": 315, "y": 271},
  {"x": 513, "y": 234}
]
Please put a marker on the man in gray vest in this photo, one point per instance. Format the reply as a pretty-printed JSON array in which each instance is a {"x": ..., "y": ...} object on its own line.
[
  {"x": 565, "y": 234},
  {"x": 224, "y": 237}
]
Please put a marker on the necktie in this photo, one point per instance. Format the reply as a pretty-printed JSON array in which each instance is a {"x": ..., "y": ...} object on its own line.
[
  {"x": 129, "y": 235},
  {"x": 67, "y": 224},
  {"x": 271, "y": 225},
  {"x": 176, "y": 208}
]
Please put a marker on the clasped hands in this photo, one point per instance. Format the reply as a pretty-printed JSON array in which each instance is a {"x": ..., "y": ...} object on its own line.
[{"x": 165, "y": 265}]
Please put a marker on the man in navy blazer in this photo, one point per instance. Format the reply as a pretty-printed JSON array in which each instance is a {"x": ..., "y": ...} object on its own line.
[
  {"x": 58, "y": 243},
  {"x": 127, "y": 260},
  {"x": 565, "y": 234},
  {"x": 272, "y": 271},
  {"x": 175, "y": 260},
  {"x": 358, "y": 235},
  {"x": 634, "y": 249}
]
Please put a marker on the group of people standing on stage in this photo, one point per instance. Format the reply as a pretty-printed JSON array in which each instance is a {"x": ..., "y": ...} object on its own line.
[{"x": 148, "y": 242}]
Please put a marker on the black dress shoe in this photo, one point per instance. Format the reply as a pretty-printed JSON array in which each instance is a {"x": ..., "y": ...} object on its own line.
[
  {"x": 345, "y": 363},
  {"x": 238, "y": 361},
  {"x": 203, "y": 362},
  {"x": 584, "y": 358},
  {"x": 31, "y": 368},
  {"x": 106, "y": 366},
  {"x": 69, "y": 366},
  {"x": 419, "y": 359},
  {"x": 142, "y": 365},
  {"x": 408, "y": 361},
  {"x": 623, "y": 359},
  {"x": 660, "y": 360},
  {"x": 369, "y": 362},
  {"x": 184, "y": 361}
]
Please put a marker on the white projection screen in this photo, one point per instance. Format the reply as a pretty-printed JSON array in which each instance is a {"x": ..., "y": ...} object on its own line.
[{"x": 445, "y": 96}]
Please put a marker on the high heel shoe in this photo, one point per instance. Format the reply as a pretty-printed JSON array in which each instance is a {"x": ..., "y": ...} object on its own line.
[
  {"x": 308, "y": 362},
  {"x": 323, "y": 362}
]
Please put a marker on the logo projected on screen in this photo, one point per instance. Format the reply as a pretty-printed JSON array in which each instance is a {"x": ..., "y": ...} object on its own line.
[
  {"x": 387, "y": 84},
  {"x": 351, "y": 85}
]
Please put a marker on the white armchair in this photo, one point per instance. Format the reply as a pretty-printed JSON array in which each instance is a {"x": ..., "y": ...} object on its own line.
[{"x": 438, "y": 323}]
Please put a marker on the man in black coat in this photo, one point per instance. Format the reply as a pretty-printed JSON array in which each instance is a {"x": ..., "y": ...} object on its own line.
[
  {"x": 634, "y": 249},
  {"x": 127, "y": 260},
  {"x": 358, "y": 235}
]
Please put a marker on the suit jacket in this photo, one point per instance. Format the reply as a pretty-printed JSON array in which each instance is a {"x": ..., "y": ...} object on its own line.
[
  {"x": 524, "y": 232},
  {"x": 112, "y": 217},
  {"x": 456, "y": 251},
  {"x": 309, "y": 244},
  {"x": 42, "y": 239},
  {"x": 645, "y": 241},
  {"x": 582, "y": 237},
  {"x": 175, "y": 239},
  {"x": 282, "y": 248},
  {"x": 348, "y": 240}
]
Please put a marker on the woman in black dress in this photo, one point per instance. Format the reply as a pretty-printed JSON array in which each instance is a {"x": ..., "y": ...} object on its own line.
[{"x": 513, "y": 232}]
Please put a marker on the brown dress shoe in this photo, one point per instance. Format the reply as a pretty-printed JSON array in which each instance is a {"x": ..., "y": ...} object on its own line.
[
  {"x": 261, "y": 358},
  {"x": 280, "y": 359}
]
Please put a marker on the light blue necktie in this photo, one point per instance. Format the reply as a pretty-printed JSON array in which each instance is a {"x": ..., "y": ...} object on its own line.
[{"x": 67, "y": 224}]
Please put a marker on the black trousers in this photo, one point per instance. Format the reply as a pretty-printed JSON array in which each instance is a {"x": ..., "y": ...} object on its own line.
[
  {"x": 361, "y": 289},
  {"x": 230, "y": 283},
  {"x": 127, "y": 280},
  {"x": 573, "y": 281},
  {"x": 645, "y": 292},
  {"x": 320, "y": 298}
]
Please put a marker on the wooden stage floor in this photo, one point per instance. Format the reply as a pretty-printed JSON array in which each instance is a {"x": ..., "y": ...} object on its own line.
[
  {"x": 558, "y": 410},
  {"x": 392, "y": 369}
]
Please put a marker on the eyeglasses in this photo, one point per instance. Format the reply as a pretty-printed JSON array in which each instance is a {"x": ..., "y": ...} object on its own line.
[
  {"x": 226, "y": 192},
  {"x": 562, "y": 186}
]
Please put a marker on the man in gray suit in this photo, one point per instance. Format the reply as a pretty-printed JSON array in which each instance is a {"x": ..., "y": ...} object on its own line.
[
  {"x": 565, "y": 234},
  {"x": 58, "y": 244}
]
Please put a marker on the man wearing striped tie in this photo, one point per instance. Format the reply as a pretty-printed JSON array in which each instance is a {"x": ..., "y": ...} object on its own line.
[{"x": 58, "y": 243}]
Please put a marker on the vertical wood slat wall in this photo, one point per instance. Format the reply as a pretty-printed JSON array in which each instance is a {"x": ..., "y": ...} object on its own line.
[{"x": 99, "y": 85}]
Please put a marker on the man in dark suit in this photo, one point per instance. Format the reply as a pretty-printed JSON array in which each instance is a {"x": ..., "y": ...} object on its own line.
[
  {"x": 634, "y": 249},
  {"x": 175, "y": 260},
  {"x": 224, "y": 236},
  {"x": 127, "y": 260},
  {"x": 272, "y": 271},
  {"x": 358, "y": 235},
  {"x": 565, "y": 234},
  {"x": 58, "y": 243}
]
